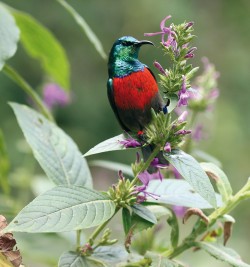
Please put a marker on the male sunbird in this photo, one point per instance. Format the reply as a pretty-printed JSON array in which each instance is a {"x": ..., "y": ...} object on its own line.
[{"x": 132, "y": 87}]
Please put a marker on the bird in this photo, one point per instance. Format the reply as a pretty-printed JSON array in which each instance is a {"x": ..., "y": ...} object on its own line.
[{"x": 132, "y": 88}]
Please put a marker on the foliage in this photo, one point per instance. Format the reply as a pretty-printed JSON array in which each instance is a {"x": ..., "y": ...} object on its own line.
[{"x": 73, "y": 205}]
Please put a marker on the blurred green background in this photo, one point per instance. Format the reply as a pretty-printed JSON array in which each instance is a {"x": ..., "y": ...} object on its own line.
[{"x": 222, "y": 30}]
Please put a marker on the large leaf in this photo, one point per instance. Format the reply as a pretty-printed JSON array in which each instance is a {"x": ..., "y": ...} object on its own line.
[
  {"x": 222, "y": 253},
  {"x": 73, "y": 259},
  {"x": 110, "y": 144},
  {"x": 192, "y": 172},
  {"x": 220, "y": 178},
  {"x": 111, "y": 254},
  {"x": 63, "y": 208},
  {"x": 9, "y": 36},
  {"x": 56, "y": 152},
  {"x": 178, "y": 192},
  {"x": 85, "y": 27},
  {"x": 41, "y": 44}
]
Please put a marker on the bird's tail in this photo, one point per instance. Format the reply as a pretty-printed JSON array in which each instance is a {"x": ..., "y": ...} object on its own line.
[{"x": 147, "y": 151}]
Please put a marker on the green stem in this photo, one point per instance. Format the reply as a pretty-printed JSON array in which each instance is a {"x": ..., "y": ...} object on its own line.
[
  {"x": 188, "y": 143},
  {"x": 243, "y": 194},
  {"x": 97, "y": 231},
  {"x": 78, "y": 238},
  {"x": 17, "y": 78},
  {"x": 146, "y": 164}
]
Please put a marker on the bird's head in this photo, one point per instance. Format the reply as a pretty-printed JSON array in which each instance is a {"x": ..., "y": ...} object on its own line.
[{"x": 126, "y": 48}]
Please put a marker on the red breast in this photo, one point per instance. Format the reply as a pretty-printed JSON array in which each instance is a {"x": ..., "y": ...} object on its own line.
[{"x": 135, "y": 91}]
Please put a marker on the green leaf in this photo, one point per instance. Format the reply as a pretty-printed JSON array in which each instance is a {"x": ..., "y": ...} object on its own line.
[
  {"x": 9, "y": 36},
  {"x": 139, "y": 224},
  {"x": 73, "y": 259},
  {"x": 220, "y": 178},
  {"x": 111, "y": 254},
  {"x": 86, "y": 29},
  {"x": 56, "y": 152},
  {"x": 191, "y": 171},
  {"x": 41, "y": 44},
  {"x": 114, "y": 166},
  {"x": 110, "y": 144},
  {"x": 178, "y": 192},
  {"x": 173, "y": 102},
  {"x": 160, "y": 261},
  {"x": 144, "y": 213},
  {"x": 126, "y": 219},
  {"x": 222, "y": 253},
  {"x": 63, "y": 208}
]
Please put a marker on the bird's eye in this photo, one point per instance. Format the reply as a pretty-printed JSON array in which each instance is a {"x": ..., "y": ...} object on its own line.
[{"x": 126, "y": 43}]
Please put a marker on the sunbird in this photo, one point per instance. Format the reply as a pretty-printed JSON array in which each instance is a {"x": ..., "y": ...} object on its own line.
[{"x": 132, "y": 88}]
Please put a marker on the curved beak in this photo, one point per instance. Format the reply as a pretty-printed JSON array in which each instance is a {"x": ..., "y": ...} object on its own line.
[{"x": 140, "y": 43}]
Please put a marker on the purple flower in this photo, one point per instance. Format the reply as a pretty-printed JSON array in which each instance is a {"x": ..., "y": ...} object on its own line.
[
  {"x": 189, "y": 24},
  {"x": 130, "y": 142},
  {"x": 160, "y": 68},
  {"x": 183, "y": 132},
  {"x": 183, "y": 93},
  {"x": 167, "y": 147},
  {"x": 156, "y": 163},
  {"x": 190, "y": 53},
  {"x": 54, "y": 95},
  {"x": 145, "y": 177},
  {"x": 164, "y": 30}
]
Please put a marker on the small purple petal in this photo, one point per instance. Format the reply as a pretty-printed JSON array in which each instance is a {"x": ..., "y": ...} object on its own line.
[
  {"x": 160, "y": 68},
  {"x": 156, "y": 163},
  {"x": 189, "y": 24},
  {"x": 153, "y": 33},
  {"x": 130, "y": 142},
  {"x": 183, "y": 132},
  {"x": 167, "y": 147},
  {"x": 120, "y": 174},
  {"x": 183, "y": 94},
  {"x": 162, "y": 24},
  {"x": 145, "y": 177}
]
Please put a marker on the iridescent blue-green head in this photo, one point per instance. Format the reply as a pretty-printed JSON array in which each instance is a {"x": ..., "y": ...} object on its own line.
[{"x": 124, "y": 54}]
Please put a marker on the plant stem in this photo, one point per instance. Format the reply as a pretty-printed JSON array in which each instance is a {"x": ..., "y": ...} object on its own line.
[
  {"x": 97, "y": 231},
  {"x": 146, "y": 164},
  {"x": 78, "y": 238},
  {"x": 18, "y": 79},
  {"x": 188, "y": 143},
  {"x": 213, "y": 217}
]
